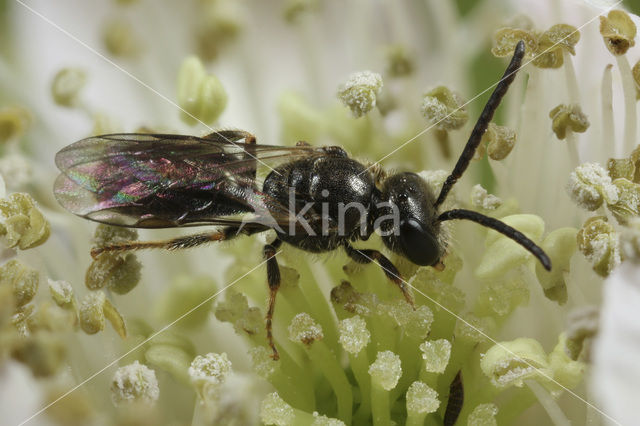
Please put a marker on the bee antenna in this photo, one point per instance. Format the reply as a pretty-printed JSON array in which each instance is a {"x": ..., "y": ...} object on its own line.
[
  {"x": 502, "y": 228},
  {"x": 483, "y": 122}
]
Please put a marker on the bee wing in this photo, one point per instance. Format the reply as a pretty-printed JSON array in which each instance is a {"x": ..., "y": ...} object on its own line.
[{"x": 161, "y": 181}]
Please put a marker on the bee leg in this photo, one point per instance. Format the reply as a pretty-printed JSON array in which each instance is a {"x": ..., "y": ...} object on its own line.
[
  {"x": 273, "y": 279},
  {"x": 250, "y": 152},
  {"x": 187, "y": 241},
  {"x": 233, "y": 137},
  {"x": 365, "y": 256},
  {"x": 439, "y": 265}
]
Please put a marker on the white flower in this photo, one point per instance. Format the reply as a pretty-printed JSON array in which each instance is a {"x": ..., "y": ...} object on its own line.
[{"x": 616, "y": 372}]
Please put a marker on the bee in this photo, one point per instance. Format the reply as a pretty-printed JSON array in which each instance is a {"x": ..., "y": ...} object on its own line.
[{"x": 317, "y": 199}]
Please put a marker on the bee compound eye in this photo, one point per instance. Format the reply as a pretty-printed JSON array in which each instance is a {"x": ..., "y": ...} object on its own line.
[{"x": 418, "y": 244}]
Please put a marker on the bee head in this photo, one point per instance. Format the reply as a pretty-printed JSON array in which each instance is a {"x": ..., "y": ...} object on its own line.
[{"x": 413, "y": 228}]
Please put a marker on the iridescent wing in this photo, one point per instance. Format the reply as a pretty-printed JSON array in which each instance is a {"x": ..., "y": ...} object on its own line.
[{"x": 162, "y": 181}]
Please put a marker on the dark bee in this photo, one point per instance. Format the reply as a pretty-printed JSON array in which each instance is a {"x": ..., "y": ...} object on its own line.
[{"x": 315, "y": 198}]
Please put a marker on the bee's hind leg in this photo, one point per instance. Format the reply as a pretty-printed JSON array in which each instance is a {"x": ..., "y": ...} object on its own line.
[
  {"x": 187, "y": 241},
  {"x": 273, "y": 279}
]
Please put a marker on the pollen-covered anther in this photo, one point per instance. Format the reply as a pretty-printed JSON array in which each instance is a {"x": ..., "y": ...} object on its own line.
[
  {"x": 627, "y": 206},
  {"x": 559, "y": 246},
  {"x": 44, "y": 353},
  {"x": 95, "y": 309},
  {"x": 621, "y": 168},
  {"x": 21, "y": 223},
  {"x": 22, "y": 279},
  {"x": 263, "y": 363},
  {"x": 568, "y": 118},
  {"x": 501, "y": 297},
  {"x": 499, "y": 141},
  {"x": 275, "y": 411},
  {"x": 360, "y": 92},
  {"x": 563, "y": 35},
  {"x": 305, "y": 329},
  {"x": 582, "y": 326},
  {"x": 567, "y": 372},
  {"x": 443, "y": 294},
  {"x": 444, "y": 108},
  {"x": 435, "y": 354},
  {"x": 599, "y": 243},
  {"x": 421, "y": 399},
  {"x": 510, "y": 363},
  {"x": 232, "y": 308},
  {"x": 7, "y": 305},
  {"x": 354, "y": 335},
  {"x": 589, "y": 186},
  {"x": 434, "y": 178},
  {"x": 420, "y": 320},
  {"x": 251, "y": 323},
  {"x": 352, "y": 301},
  {"x": 134, "y": 383},
  {"x": 399, "y": 62},
  {"x": 105, "y": 235},
  {"x": 321, "y": 420},
  {"x": 473, "y": 328},
  {"x": 61, "y": 293},
  {"x": 220, "y": 24},
  {"x": 386, "y": 370},
  {"x": 506, "y": 39},
  {"x": 618, "y": 31},
  {"x": 207, "y": 373},
  {"x": 483, "y": 415},
  {"x": 14, "y": 121},
  {"x": 104, "y": 124},
  {"x": 67, "y": 85},
  {"x": 120, "y": 38},
  {"x": 91, "y": 313},
  {"x": 552, "y": 43},
  {"x": 119, "y": 272},
  {"x": 415, "y": 322},
  {"x": 480, "y": 198},
  {"x": 294, "y": 9},
  {"x": 200, "y": 95}
]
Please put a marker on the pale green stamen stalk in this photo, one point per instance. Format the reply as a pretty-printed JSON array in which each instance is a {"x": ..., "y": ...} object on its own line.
[
  {"x": 305, "y": 330},
  {"x": 385, "y": 373},
  {"x": 608, "y": 130},
  {"x": 574, "y": 98},
  {"x": 354, "y": 337},
  {"x": 421, "y": 400},
  {"x": 629, "y": 89},
  {"x": 556, "y": 414}
]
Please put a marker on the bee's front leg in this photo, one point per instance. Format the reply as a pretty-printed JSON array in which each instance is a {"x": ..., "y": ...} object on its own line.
[{"x": 368, "y": 256}]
